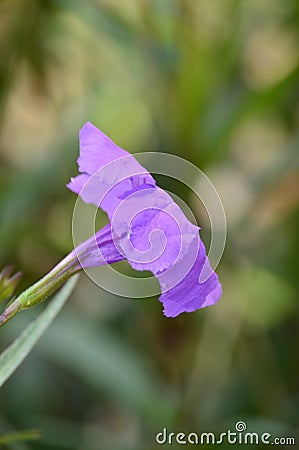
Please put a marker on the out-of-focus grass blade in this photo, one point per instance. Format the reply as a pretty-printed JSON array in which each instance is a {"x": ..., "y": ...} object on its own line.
[
  {"x": 20, "y": 436},
  {"x": 106, "y": 364},
  {"x": 15, "y": 354},
  {"x": 104, "y": 19}
]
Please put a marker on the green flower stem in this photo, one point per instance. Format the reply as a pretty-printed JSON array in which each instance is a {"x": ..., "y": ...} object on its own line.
[{"x": 43, "y": 288}]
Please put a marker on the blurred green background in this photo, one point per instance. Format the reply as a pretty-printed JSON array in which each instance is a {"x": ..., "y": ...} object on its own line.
[{"x": 216, "y": 82}]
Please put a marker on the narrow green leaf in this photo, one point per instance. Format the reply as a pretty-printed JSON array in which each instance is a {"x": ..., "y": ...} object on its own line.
[
  {"x": 20, "y": 436},
  {"x": 15, "y": 354}
]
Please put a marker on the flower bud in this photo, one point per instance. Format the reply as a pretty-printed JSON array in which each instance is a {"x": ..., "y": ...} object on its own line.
[{"x": 8, "y": 283}]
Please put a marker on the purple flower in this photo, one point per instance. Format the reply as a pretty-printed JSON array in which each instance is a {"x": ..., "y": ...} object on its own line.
[{"x": 146, "y": 227}]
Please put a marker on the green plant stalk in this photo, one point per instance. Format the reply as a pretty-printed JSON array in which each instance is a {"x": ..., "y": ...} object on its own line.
[{"x": 43, "y": 288}]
